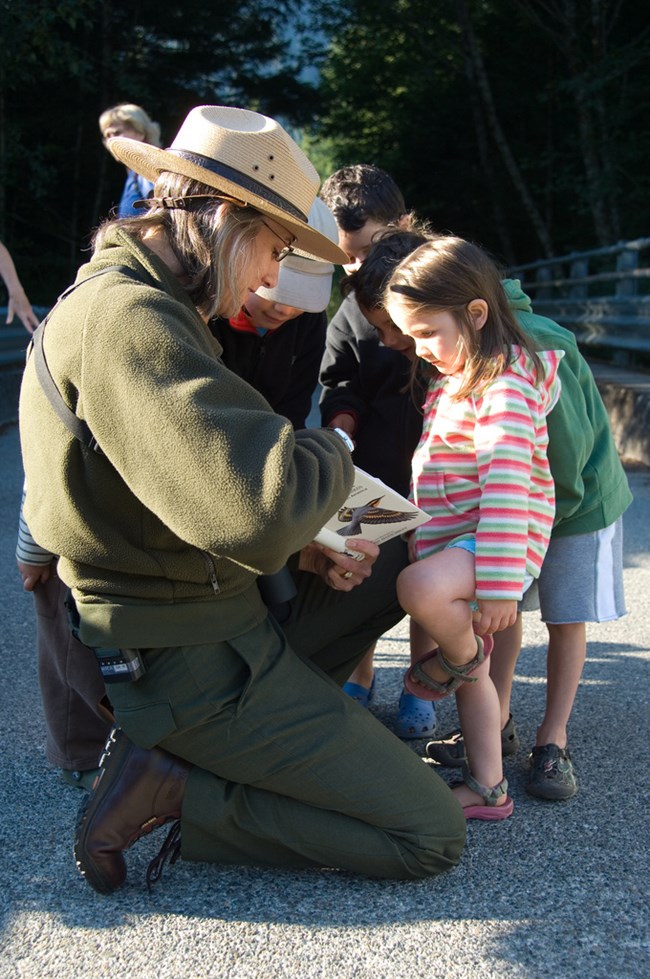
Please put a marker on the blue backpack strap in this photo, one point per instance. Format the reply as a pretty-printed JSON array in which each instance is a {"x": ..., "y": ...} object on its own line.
[{"x": 75, "y": 425}]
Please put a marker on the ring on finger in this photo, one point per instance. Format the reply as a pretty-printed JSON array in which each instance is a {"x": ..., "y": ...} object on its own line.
[{"x": 346, "y": 575}]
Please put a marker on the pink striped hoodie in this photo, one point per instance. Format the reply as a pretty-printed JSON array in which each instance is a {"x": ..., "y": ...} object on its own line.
[{"x": 481, "y": 468}]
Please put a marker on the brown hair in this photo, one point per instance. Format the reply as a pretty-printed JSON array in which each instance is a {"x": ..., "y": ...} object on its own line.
[
  {"x": 389, "y": 247},
  {"x": 362, "y": 192},
  {"x": 445, "y": 275},
  {"x": 212, "y": 239}
]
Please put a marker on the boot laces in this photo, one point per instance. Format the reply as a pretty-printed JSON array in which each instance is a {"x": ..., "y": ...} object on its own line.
[{"x": 169, "y": 852}]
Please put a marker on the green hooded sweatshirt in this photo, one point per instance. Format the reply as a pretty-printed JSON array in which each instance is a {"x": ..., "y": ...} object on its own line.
[{"x": 590, "y": 483}]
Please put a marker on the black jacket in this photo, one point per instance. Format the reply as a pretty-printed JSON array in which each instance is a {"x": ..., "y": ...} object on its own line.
[
  {"x": 361, "y": 376},
  {"x": 282, "y": 365}
]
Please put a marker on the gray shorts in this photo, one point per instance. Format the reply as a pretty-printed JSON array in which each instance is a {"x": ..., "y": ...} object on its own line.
[{"x": 581, "y": 579}]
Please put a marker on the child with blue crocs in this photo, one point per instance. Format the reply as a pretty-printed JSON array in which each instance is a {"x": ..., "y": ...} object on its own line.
[{"x": 416, "y": 717}]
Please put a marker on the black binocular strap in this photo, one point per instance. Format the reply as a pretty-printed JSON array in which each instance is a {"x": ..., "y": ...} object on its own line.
[{"x": 75, "y": 425}]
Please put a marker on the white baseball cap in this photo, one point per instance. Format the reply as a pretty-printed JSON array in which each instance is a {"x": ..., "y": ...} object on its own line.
[{"x": 303, "y": 282}]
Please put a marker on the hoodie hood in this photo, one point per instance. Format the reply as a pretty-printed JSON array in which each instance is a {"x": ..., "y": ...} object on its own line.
[{"x": 517, "y": 298}]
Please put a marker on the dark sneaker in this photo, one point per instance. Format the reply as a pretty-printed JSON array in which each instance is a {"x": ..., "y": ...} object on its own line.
[
  {"x": 450, "y": 749},
  {"x": 509, "y": 738},
  {"x": 551, "y": 773}
]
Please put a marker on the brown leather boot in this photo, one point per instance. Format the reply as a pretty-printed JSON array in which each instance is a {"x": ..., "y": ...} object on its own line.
[{"x": 137, "y": 790}]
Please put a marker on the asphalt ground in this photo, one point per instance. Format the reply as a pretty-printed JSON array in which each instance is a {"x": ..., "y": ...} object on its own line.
[{"x": 560, "y": 889}]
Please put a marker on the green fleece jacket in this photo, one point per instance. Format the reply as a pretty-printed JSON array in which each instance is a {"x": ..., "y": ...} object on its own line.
[
  {"x": 590, "y": 483},
  {"x": 201, "y": 487}
]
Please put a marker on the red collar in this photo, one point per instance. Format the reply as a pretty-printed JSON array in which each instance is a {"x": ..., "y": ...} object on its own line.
[{"x": 242, "y": 323}]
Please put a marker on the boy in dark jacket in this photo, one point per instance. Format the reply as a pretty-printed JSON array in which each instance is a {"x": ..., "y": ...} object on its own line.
[
  {"x": 364, "y": 381},
  {"x": 276, "y": 341}
]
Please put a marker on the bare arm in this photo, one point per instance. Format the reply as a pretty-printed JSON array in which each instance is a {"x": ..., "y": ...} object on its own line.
[{"x": 18, "y": 304}]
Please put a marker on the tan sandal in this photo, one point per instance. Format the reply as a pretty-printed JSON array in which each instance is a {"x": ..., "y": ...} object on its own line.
[
  {"x": 491, "y": 810},
  {"x": 423, "y": 686}
]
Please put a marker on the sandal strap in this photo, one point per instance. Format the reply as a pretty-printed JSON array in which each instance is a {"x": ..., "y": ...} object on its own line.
[
  {"x": 490, "y": 796},
  {"x": 461, "y": 671},
  {"x": 443, "y": 688}
]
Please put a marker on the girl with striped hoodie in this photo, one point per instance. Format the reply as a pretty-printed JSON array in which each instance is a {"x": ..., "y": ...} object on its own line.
[{"x": 481, "y": 471}]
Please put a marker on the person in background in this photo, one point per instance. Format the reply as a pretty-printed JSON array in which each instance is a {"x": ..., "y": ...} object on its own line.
[
  {"x": 276, "y": 341},
  {"x": 77, "y": 718},
  {"x": 18, "y": 303},
  {"x": 365, "y": 383},
  {"x": 75, "y": 706},
  {"x": 415, "y": 717},
  {"x": 481, "y": 471},
  {"x": 131, "y": 121}
]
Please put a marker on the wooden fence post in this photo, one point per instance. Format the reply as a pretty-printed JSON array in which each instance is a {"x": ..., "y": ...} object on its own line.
[
  {"x": 579, "y": 270},
  {"x": 627, "y": 261}
]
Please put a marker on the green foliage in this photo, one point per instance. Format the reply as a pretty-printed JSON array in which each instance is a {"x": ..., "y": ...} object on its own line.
[
  {"x": 388, "y": 82},
  {"x": 320, "y": 150},
  {"x": 570, "y": 92},
  {"x": 65, "y": 61}
]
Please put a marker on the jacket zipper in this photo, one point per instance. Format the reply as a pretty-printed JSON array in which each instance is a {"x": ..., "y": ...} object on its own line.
[{"x": 212, "y": 571}]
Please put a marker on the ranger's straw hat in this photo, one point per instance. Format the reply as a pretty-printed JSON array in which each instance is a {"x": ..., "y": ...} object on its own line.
[{"x": 244, "y": 155}]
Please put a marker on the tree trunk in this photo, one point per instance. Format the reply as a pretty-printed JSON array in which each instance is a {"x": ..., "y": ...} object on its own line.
[
  {"x": 500, "y": 223},
  {"x": 588, "y": 143},
  {"x": 485, "y": 92},
  {"x": 106, "y": 58},
  {"x": 3, "y": 153},
  {"x": 568, "y": 26}
]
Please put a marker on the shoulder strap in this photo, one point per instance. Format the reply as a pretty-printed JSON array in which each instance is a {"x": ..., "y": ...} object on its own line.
[{"x": 75, "y": 425}]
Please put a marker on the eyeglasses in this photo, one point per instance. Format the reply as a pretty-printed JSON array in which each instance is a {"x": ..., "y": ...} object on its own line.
[{"x": 278, "y": 255}]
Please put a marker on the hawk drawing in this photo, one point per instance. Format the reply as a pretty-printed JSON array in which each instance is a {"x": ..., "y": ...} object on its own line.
[{"x": 370, "y": 513}]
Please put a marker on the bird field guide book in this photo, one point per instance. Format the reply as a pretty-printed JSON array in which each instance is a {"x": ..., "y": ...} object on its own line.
[{"x": 373, "y": 511}]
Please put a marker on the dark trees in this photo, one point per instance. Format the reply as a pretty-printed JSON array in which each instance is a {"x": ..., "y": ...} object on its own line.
[
  {"x": 64, "y": 61},
  {"x": 520, "y": 123}
]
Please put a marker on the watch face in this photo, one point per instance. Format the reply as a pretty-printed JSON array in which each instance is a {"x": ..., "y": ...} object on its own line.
[{"x": 345, "y": 437}]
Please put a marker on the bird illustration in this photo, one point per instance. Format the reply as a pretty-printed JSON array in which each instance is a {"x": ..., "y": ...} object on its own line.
[{"x": 372, "y": 513}]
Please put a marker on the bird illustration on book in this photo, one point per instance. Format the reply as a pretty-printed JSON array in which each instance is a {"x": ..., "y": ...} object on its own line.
[{"x": 372, "y": 513}]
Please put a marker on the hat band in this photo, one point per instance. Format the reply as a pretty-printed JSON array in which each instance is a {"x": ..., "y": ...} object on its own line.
[{"x": 244, "y": 181}]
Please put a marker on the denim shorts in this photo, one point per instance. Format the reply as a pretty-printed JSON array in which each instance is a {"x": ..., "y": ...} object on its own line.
[{"x": 468, "y": 543}]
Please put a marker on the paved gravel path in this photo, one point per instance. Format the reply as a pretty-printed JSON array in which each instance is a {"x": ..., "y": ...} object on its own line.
[{"x": 559, "y": 890}]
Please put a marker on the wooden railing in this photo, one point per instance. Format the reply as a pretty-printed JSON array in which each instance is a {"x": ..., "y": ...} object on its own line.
[{"x": 602, "y": 295}]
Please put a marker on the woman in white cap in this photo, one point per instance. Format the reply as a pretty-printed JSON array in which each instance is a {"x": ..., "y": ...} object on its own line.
[
  {"x": 167, "y": 485},
  {"x": 277, "y": 339}
]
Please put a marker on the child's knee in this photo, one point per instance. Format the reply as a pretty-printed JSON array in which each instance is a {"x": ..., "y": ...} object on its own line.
[{"x": 414, "y": 588}]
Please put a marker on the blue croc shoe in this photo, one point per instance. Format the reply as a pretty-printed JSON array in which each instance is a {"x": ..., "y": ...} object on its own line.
[
  {"x": 416, "y": 718},
  {"x": 363, "y": 695}
]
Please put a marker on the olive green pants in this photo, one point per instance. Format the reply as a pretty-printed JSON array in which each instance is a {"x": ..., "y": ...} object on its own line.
[{"x": 290, "y": 771}]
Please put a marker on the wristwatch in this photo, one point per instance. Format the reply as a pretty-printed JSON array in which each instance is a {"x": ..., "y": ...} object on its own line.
[{"x": 345, "y": 437}]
